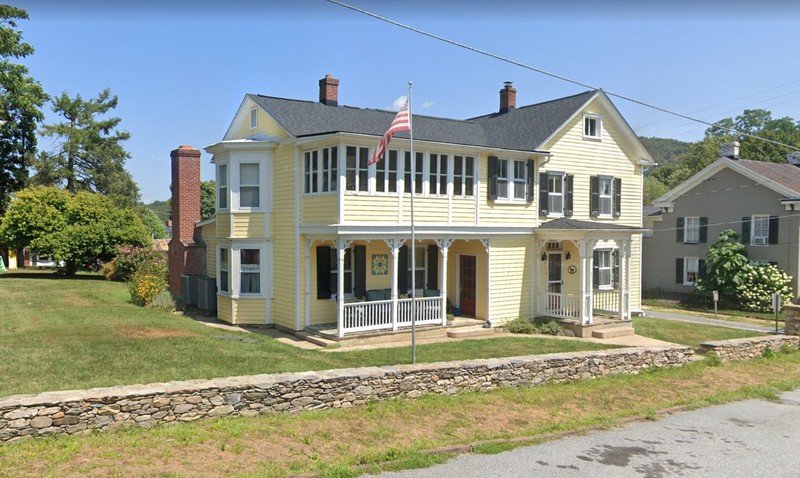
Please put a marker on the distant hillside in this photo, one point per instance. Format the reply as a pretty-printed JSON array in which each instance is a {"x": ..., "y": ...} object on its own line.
[
  {"x": 163, "y": 209},
  {"x": 665, "y": 151}
]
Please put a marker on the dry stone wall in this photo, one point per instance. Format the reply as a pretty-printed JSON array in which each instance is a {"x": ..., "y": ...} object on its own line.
[
  {"x": 749, "y": 348},
  {"x": 792, "y": 319},
  {"x": 145, "y": 405}
]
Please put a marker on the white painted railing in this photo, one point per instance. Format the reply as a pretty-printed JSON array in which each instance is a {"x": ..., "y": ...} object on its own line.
[
  {"x": 605, "y": 300},
  {"x": 377, "y": 315},
  {"x": 565, "y": 306}
]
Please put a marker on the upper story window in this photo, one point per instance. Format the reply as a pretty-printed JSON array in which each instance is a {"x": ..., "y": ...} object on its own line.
[
  {"x": 321, "y": 170},
  {"x": 691, "y": 230},
  {"x": 222, "y": 186},
  {"x": 592, "y": 126},
  {"x": 418, "y": 172},
  {"x": 437, "y": 174},
  {"x": 606, "y": 196},
  {"x": 357, "y": 169},
  {"x": 463, "y": 175},
  {"x": 253, "y": 118},
  {"x": 760, "y": 229},
  {"x": 249, "y": 188},
  {"x": 250, "y": 271},
  {"x": 386, "y": 173},
  {"x": 509, "y": 179},
  {"x": 555, "y": 194}
]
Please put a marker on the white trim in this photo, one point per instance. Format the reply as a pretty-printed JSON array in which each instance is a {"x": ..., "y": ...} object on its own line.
[
  {"x": 752, "y": 240},
  {"x": 298, "y": 180},
  {"x": 253, "y": 117},
  {"x": 598, "y": 125},
  {"x": 686, "y": 270}
]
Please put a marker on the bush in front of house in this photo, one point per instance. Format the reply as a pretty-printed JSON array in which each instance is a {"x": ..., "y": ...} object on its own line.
[
  {"x": 520, "y": 326},
  {"x": 760, "y": 282},
  {"x": 129, "y": 259}
]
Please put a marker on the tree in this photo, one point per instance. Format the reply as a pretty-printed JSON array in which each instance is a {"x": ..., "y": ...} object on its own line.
[
  {"x": 152, "y": 222},
  {"x": 21, "y": 100},
  {"x": 90, "y": 156},
  {"x": 81, "y": 229},
  {"x": 726, "y": 260},
  {"x": 208, "y": 199}
]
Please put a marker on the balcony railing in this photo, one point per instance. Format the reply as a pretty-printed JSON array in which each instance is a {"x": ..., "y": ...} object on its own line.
[{"x": 377, "y": 315}]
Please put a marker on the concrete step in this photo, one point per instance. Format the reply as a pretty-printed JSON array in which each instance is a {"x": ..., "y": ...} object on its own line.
[
  {"x": 314, "y": 339},
  {"x": 463, "y": 332},
  {"x": 613, "y": 332}
]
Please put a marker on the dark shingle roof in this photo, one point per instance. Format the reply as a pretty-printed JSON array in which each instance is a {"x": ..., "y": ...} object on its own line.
[
  {"x": 784, "y": 174},
  {"x": 651, "y": 210},
  {"x": 563, "y": 224},
  {"x": 522, "y": 129}
]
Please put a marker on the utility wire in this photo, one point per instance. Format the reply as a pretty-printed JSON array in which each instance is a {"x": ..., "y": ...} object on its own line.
[{"x": 553, "y": 75}]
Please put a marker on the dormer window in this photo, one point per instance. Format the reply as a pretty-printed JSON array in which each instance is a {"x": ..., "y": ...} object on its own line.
[
  {"x": 592, "y": 126},
  {"x": 253, "y": 118}
]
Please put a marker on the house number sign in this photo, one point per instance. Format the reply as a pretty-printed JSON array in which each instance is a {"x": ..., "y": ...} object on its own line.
[{"x": 572, "y": 269}]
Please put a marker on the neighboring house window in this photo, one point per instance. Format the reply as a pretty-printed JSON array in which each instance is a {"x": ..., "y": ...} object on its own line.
[
  {"x": 222, "y": 186},
  {"x": 321, "y": 170},
  {"x": 386, "y": 173},
  {"x": 224, "y": 271},
  {"x": 418, "y": 165},
  {"x": 603, "y": 269},
  {"x": 437, "y": 174},
  {"x": 463, "y": 175},
  {"x": 555, "y": 194},
  {"x": 592, "y": 126},
  {"x": 692, "y": 230},
  {"x": 251, "y": 271},
  {"x": 357, "y": 169},
  {"x": 253, "y": 118},
  {"x": 606, "y": 196},
  {"x": 688, "y": 270},
  {"x": 760, "y": 230},
  {"x": 249, "y": 190}
]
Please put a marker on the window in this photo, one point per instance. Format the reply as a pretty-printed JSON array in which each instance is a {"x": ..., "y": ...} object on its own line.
[
  {"x": 224, "y": 270},
  {"x": 222, "y": 186},
  {"x": 437, "y": 174},
  {"x": 321, "y": 170},
  {"x": 463, "y": 175},
  {"x": 691, "y": 231},
  {"x": 606, "y": 196},
  {"x": 253, "y": 118},
  {"x": 249, "y": 191},
  {"x": 251, "y": 271},
  {"x": 502, "y": 178},
  {"x": 418, "y": 164},
  {"x": 760, "y": 229},
  {"x": 605, "y": 269},
  {"x": 592, "y": 126},
  {"x": 555, "y": 193},
  {"x": 420, "y": 260},
  {"x": 386, "y": 173},
  {"x": 508, "y": 179},
  {"x": 691, "y": 270},
  {"x": 357, "y": 169},
  {"x": 347, "y": 269}
]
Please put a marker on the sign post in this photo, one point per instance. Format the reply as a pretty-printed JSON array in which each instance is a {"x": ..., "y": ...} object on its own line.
[
  {"x": 776, "y": 306},
  {"x": 716, "y": 299}
]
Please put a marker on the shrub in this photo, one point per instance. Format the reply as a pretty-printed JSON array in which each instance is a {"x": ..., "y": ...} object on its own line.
[
  {"x": 129, "y": 259},
  {"x": 144, "y": 286},
  {"x": 520, "y": 326},
  {"x": 550, "y": 327},
  {"x": 164, "y": 301},
  {"x": 759, "y": 283}
]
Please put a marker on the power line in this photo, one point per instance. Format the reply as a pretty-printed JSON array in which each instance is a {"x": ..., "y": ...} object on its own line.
[{"x": 545, "y": 72}]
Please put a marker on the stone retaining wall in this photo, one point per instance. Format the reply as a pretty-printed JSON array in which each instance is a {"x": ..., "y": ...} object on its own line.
[
  {"x": 146, "y": 405},
  {"x": 749, "y": 348},
  {"x": 792, "y": 317}
]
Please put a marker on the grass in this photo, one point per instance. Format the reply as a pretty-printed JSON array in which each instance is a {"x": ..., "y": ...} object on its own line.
[
  {"x": 685, "y": 333},
  {"x": 396, "y": 435},
  {"x": 60, "y": 334},
  {"x": 700, "y": 308}
]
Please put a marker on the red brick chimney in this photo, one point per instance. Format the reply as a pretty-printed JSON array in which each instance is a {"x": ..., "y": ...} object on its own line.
[
  {"x": 508, "y": 98},
  {"x": 329, "y": 91},
  {"x": 185, "y": 256}
]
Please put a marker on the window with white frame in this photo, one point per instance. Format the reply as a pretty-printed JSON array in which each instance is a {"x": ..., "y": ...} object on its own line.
[
  {"x": 224, "y": 270},
  {"x": 321, "y": 170},
  {"x": 386, "y": 173},
  {"x": 592, "y": 126},
  {"x": 253, "y": 118},
  {"x": 249, "y": 189},
  {"x": 222, "y": 186},
  {"x": 347, "y": 270},
  {"x": 418, "y": 172},
  {"x": 691, "y": 230},
  {"x": 691, "y": 270},
  {"x": 512, "y": 179},
  {"x": 605, "y": 269},
  {"x": 437, "y": 174},
  {"x": 357, "y": 172},
  {"x": 250, "y": 266},
  {"x": 760, "y": 228},
  {"x": 520, "y": 179},
  {"x": 463, "y": 175},
  {"x": 420, "y": 268},
  {"x": 555, "y": 193},
  {"x": 606, "y": 195}
]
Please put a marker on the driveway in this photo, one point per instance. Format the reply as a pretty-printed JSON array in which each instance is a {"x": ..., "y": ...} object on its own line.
[
  {"x": 749, "y": 438},
  {"x": 709, "y": 321}
]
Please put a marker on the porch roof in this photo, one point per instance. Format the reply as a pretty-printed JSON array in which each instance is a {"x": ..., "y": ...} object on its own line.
[{"x": 574, "y": 228}]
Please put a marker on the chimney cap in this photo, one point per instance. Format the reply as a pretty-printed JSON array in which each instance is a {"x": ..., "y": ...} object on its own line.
[
  {"x": 729, "y": 149},
  {"x": 508, "y": 84}
]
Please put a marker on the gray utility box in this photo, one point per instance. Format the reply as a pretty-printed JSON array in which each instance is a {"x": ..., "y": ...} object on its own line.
[
  {"x": 207, "y": 294},
  {"x": 189, "y": 290}
]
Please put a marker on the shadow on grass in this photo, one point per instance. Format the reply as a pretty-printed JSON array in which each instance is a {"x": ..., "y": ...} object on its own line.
[{"x": 49, "y": 274}]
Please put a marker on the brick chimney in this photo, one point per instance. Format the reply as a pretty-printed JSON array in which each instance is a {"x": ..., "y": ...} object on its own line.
[
  {"x": 185, "y": 256},
  {"x": 508, "y": 98},
  {"x": 329, "y": 91},
  {"x": 729, "y": 150}
]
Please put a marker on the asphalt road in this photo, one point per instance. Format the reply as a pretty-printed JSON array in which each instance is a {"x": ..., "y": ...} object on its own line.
[{"x": 752, "y": 438}]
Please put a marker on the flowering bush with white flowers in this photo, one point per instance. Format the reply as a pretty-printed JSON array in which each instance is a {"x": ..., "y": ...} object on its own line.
[{"x": 759, "y": 283}]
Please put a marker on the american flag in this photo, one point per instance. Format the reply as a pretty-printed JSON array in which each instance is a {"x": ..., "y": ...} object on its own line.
[{"x": 401, "y": 122}]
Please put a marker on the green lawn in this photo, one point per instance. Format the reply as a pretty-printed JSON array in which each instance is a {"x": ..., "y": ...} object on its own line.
[
  {"x": 685, "y": 333},
  {"x": 59, "y": 334}
]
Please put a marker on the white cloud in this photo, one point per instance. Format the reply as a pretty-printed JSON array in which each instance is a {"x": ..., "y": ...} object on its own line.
[
  {"x": 427, "y": 104},
  {"x": 398, "y": 103}
]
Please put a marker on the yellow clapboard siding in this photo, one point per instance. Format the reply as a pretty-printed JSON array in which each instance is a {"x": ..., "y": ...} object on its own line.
[
  {"x": 283, "y": 236},
  {"x": 266, "y": 125},
  {"x": 462, "y": 211},
  {"x": 223, "y": 225},
  {"x": 320, "y": 209},
  {"x": 510, "y": 278},
  {"x": 249, "y": 224},
  {"x": 224, "y": 309},
  {"x": 366, "y": 208},
  {"x": 210, "y": 238},
  {"x": 250, "y": 311}
]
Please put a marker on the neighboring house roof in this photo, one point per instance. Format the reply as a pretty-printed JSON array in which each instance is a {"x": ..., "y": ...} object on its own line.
[
  {"x": 783, "y": 174},
  {"x": 651, "y": 210},
  {"x": 524, "y": 129}
]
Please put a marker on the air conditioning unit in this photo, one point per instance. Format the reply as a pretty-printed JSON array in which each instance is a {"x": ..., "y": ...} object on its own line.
[
  {"x": 189, "y": 289},
  {"x": 207, "y": 294}
]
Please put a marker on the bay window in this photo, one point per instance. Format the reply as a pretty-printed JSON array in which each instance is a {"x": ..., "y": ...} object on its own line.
[{"x": 249, "y": 188}]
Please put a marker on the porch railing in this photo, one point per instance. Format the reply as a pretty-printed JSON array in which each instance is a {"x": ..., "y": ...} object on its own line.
[
  {"x": 565, "y": 306},
  {"x": 377, "y": 315},
  {"x": 605, "y": 301}
]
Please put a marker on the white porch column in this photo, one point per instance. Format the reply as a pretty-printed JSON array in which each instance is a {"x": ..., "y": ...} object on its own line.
[
  {"x": 624, "y": 279},
  {"x": 621, "y": 298},
  {"x": 394, "y": 245},
  {"x": 309, "y": 244},
  {"x": 540, "y": 292},
  {"x": 587, "y": 281},
  {"x": 444, "y": 245},
  {"x": 341, "y": 248},
  {"x": 487, "y": 245}
]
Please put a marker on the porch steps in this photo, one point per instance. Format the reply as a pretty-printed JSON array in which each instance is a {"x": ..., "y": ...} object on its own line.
[
  {"x": 613, "y": 332},
  {"x": 474, "y": 331},
  {"x": 314, "y": 338}
]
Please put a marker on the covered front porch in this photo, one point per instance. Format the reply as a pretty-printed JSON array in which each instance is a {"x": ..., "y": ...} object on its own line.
[{"x": 584, "y": 271}]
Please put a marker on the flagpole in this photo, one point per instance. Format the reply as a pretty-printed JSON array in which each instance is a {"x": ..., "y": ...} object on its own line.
[{"x": 413, "y": 238}]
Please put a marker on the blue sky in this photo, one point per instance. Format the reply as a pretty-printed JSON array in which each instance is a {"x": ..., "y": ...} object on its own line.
[{"x": 181, "y": 68}]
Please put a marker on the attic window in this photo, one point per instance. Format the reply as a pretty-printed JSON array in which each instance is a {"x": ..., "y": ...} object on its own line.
[
  {"x": 592, "y": 126},
  {"x": 253, "y": 118}
]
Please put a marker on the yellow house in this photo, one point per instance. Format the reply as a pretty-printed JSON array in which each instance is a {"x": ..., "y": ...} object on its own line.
[{"x": 525, "y": 212}]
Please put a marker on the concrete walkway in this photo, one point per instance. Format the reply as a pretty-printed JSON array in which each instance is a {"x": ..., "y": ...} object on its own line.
[{"x": 709, "y": 321}]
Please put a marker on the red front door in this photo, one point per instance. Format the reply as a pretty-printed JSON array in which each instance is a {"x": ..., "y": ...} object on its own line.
[{"x": 467, "y": 286}]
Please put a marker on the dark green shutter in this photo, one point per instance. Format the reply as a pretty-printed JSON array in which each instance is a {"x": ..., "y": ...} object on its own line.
[
  {"x": 773, "y": 230},
  {"x": 615, "y": 263},
  {"x": 531, "y": 180},
  {"x": 492, "y": 182},
  {"x": 323, "y": 272},
  {"x": 568, "y": 182},
  {"x": 701, "y": 268},
  {"x": 543, "y": 195},
  {"x": 679, "y": 270},
  {"x": 595, "y": 270},
  {"x": 746, "y": 230},
  {"x": 433, "y": 267},
  {"x": 679, "y": 229},
  {"x": 402, "y": 270},
  {"x": 617, "y": 197},
  {"x": 703, "y": 230},
  {"x": 594, "y": 190},
  {"x": 360, "y": 270}
]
